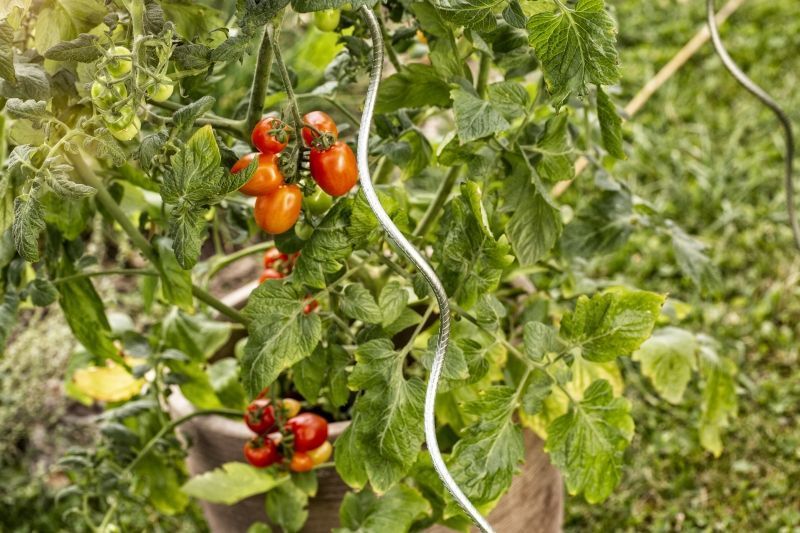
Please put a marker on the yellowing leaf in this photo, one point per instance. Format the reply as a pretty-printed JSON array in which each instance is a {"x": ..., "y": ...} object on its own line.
[{"x": 110, "y": 383}]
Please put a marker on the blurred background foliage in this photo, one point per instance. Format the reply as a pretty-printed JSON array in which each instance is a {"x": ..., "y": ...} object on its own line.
[{"x": 705, "y": 155}]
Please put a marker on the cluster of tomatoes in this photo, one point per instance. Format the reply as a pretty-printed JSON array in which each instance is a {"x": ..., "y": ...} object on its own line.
[
  {"x": 110, "y": 95},
  {"x": 303, "y": 437},
  {"x": 332, "y": 164},
  {"x": 278, "y": 265}
]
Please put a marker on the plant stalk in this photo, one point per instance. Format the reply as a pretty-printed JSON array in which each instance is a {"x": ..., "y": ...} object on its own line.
[
  {"x": 258, "y": 90},
  {"x": 441, "y": 197}
]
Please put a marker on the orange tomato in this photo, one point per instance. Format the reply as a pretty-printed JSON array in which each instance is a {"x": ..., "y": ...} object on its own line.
[
  {"x": 334, "y": 169},
  {"x": 278, "y": 211},
  {"x": 267, "y": 177}
]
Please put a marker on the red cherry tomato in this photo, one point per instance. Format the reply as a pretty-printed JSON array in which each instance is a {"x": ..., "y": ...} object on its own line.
[
  {"x": 264, "y": 141},
  {"x": 267, "y": 177},
  {"x": 260, "y": 416},
  {"x": 301, "y": 462},
  {"x": 334, "y": 169},
  {"x": 269, "y": 273},
  {"x": 261, "y": 452},
  {"x": 311, "y": 306},
  {"x": 277, "y": 212},
  {"x": 322, "y": 122},
  {"x": 309, "y": 431},
  {"x": 272, "y": 256}
]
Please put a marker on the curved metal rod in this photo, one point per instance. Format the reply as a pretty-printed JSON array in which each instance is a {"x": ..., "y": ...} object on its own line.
[
  {"x": 416, "y": 258},
  {"x": 765, "y": 99}
]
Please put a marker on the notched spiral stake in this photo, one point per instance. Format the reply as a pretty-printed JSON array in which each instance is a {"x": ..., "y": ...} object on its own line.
[
  {"x": 765, "y": 99},
  {"x": 416, "y": 258}
]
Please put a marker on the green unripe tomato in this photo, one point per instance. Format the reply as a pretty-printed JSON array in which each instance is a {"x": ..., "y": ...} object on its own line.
[
  {"x": 104, "y": 96},
  {"x": 327, "y": 19},
  {"x": 120, "y": 66},
  {"x": 304, "y": 230},
  {"x": 128, "y": 132},
  {"x": 120, "y": 118},
  {"x": 161, "y": 91},
  {"x": 319, "y": 202}
]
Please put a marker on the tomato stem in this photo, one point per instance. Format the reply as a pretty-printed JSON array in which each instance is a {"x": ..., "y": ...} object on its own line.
[
  {"x": 287, "y": 82},
  {"x": 483, "y": 74},
  {"x": 438, "y": 202},
  {"x": 258, "y": 90}
]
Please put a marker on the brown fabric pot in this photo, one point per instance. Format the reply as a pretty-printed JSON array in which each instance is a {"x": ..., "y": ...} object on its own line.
[{"x": 534, "y": 504}]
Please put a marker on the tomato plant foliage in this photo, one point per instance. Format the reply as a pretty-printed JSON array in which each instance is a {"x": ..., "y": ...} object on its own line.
[{"x": 485, "y": 107}]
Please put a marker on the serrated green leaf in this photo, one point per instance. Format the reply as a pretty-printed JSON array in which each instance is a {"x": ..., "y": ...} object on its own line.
[
  {"x": 195, "y": 171},
  {"x": 187, "y": 229},
  {"x": 693, "y": 260},
  {"x": 325, "y": 251},
  {"x": 176, "y": 283},
  {"x": 396, "y": 510},
  {"x": 359, "y": 304},
  {"x": 8, "y": 316},
  {"x": 554, "y": 163},
  {"x": 32, "y": 110},
  {"x": 536, "y": 223},
  {"x": 611, "y": 324},
  {"x": 287, "y": 506},
  {"x": 668, "y": 359},
  {"x": 347, "y": 455},
  {"x": 470, "y": 260},
  {"x": 232, "y": 483},
  {"x": 576, "y": 46},
  {"x": 539, "y": 387},
  {"x": 539, "y": 340},
  {"x": 392, "y": 301},
  {"x": 32, "y": 83},
  {"x": 281, "y": 334},
  {"x": 600, "y": 227},
  {"x": 588, "y": 442},
  {"x": 7, "y": 52},
  {"x": 197, "y": 336},
  {"x": 28, "y": 224},
  {"x": 719, "y": 403},
  {"x": 58, "y": 180},
  {"x": 484, "y": 461},
  {"x": 417, "y": 85},
  {"x": 509, "y": 98},
  {"x": 475, "y": 117},
  {"x": 42, "y": 292},
  {"x": 477, "y": 14},
  {"x": 83, "y": 49},
  {"x": 610, "y": 125},
  {"x": 388, "y": 428}
]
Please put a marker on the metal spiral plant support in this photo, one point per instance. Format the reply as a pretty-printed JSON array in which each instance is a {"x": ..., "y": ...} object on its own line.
[
  {"x": 765, "y": 99},
  {"x": 419, "y": 261}
]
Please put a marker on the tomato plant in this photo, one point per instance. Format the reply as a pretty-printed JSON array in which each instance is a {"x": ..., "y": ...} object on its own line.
[{"x": 116, "y": 140}]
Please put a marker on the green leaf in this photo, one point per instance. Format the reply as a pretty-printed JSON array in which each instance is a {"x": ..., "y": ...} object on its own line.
[
  {"x": 348, "y": 458},
  {"x": 7, "y": 52},
  {"x": 195, "y": 170},
  {"x": 536, "y": 223},
  {"x": 484, "y": 461},
  {"x": 601, "y": 227},
  {"x": 307, "y": 6},
  {"x": 388, "y": 427},
  {"x": 588, "y": 442},
  {"x": 176, "y": 283},
  {"x": 184, "y": 117},
  {"x": 8, "y": 316},
  {"x": 475, "y": 117},
  {"x": 195, "y": 335},
  {"x": 187, "y": 229},
  {"x": 83, "y": 49},
  {"x": 539, "y": 340},
  {"x": 392, "y": 301},
  {"x": 509, "y": 98},
  {"x": 668, "y": 359},
  {"x": 160, "y": 481},
  {"x": 611, "y": 324},
  {"x": 719, "y": 403},
  {"x": 359, "y": 304},
  {"x": 396, "y": 510},
  {"x": 281, "y": 334},
  {"x": 554, "y": 163},
  {"x": 28, "y": 224},
  {"x": 232, "y": 483},
  {"x": 287, "y": 506},
  {"x": 325, "y": 367},
  {"x": 58, "y": 180},
  {"x": 42, "y": 292},
  {"x": 477, "y": 14},
  {"x": 576, "y": 46},
  {"x": 470, "y": 260},
  {"x": 32, "y": 83},
  {"x": 327, "y": 248},
  {"x": 539, "y": 387},
  {"x": 693, "y": 260},
  {"x": 610, "y": 125},
  {"x": 86, "y": 316},
  {"x": 417, "y": 85},
  {"x": 33, "y": 110}
]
